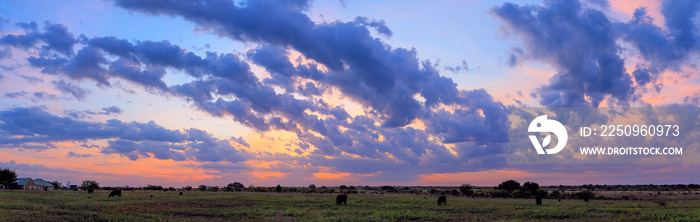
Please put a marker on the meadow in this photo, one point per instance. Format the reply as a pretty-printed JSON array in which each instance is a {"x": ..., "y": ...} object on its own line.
[{"x": 252, "y": 206}]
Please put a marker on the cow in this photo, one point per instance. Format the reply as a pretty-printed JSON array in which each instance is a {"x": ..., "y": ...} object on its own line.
[
  {"x": 442, "y": 200},
  {"x": 180, "y": 193},
  {"x": 115, "y": 193},
  {"x": 90, "y": 190},
  {"x": 342, "y": 198}
]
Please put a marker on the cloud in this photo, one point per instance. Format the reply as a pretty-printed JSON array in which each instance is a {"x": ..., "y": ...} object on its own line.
[
  {"x": 76, "y": 91},
  {"x": 582, "y": 45},
  {"x": 579, "y": 43},
  {"x": 379, "y": 25},
  {"x": 35, "y": 124},
  {"x": 391, "y": 85},
  {"x": 362, "y": 67},
  {"x": 26, "y": 126},
  {"x": 112, "y": 110},
  {"x": 73, "y": 154},
  {"x": 55, "y": 36},
  {"x": 662, "y": 48}
]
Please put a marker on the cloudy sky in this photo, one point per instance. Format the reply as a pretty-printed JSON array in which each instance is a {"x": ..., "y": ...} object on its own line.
[{"x": 176, "y": 93}]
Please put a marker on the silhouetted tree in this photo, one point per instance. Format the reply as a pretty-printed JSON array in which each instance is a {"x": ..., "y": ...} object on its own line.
[
  {"x": 539, "y": 194},
  {"x": 509, "y": 185},
  {"x": 237, "y": 186},
  {"x": 202, "y": 187},
  {"x": 531, "y": 187},
  {"x": 466, "y": 190},
  {"x": 89, "y": 184},
  {"x": 278, "y": 188},
  {"x": 312, "y": 186},
  {"x": 154, "y": 187},
  {"x": 587, "y": 195},
  {"x": 343, "y": 187},
  {"x": 351, "y": 187},
  {"x": 187, "y": 188},
  {"x": 8, "y": 177},
  {"x": 56, "y": 184},
  {"x": 555, "y": 194}
]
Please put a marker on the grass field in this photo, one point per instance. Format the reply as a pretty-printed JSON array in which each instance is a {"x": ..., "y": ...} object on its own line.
[{"x": 248, "y": 206}]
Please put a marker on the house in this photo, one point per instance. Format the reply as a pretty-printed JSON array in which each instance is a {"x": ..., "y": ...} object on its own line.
[
  {"x": 43, "y": 184},
  {"x": 29, "y": 184},
  {"x": 26, "y": 184}
]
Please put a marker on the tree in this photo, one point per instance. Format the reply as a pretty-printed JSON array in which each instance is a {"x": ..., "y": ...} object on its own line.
[
  {"x": 56, "y": 184},
  {"x": 343, "y": 187},
  {"x": 555, "y": 194},
  {"x": 466, "y": 189},
  {"x": 202, "y": 187},
  {"x": 531, "y": 187},
  {"x": 312, "y": 186},
  {"x": 587, "y": 195},
  {"x": 187, "y": 188},
  {"x": 539, "y": 194},
  {"x": 237, "y": 186},
  {"x": 8, "y": 177},
  {"x": 509, "y": 185},
  {"x": 87, "y": 184},
  {"x": 278, "y": 188}
]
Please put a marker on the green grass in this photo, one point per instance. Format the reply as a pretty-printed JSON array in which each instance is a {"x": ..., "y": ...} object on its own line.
[{"x": 246, "y": 206}]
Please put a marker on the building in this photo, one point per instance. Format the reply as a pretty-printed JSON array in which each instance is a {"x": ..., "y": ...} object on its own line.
[
  {"x": 43, "y": 184},
  {"x": 29, "y": 184}
]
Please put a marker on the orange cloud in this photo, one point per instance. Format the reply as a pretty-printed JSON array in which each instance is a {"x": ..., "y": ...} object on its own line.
[
  {"x": 326, "y": 175},
  {"x": 266, "y": 174}
]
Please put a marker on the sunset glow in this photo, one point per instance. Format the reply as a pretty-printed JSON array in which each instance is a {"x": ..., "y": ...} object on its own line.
[{"x": 182, "y": 93}]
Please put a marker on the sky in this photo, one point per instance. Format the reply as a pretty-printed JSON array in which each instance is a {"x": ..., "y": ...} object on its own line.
[{"x": 178, "y": 93}]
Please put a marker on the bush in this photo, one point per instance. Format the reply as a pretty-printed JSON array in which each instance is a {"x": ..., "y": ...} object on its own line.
[
  {"x": 509, "y": 185},
  {"x": 586, "y": 195},
  {"x": 555, "y": 194},
  {"x": 500, "y": 194},
  {"x": 520, "y": 194},
  {"x": 466, "y": 190}
]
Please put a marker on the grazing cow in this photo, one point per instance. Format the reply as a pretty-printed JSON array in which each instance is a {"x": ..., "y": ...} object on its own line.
[
  {"x": 342, "y": 198},
  {"x": 180, "y": 193},
  {"x": 115, "y": 193},
  {"x": 442, "y": 200},
  {"x": 90, "y": 190}
]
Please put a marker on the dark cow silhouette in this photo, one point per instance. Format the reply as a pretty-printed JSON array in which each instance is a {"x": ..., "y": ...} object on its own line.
[
  {"x": 442, "y": 200},
  {"x": 115, "y": 193},
  {"x": 180, "y": 193},
  {"x": 342, "y": 198},
  {"x": 90, "y": 190}
]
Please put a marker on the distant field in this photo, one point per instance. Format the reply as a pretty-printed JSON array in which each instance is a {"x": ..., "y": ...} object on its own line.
[{"x": 248, "y": 206}]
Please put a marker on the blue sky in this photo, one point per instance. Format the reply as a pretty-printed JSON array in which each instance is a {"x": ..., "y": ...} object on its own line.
[{"x": 325, "y": 92}]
